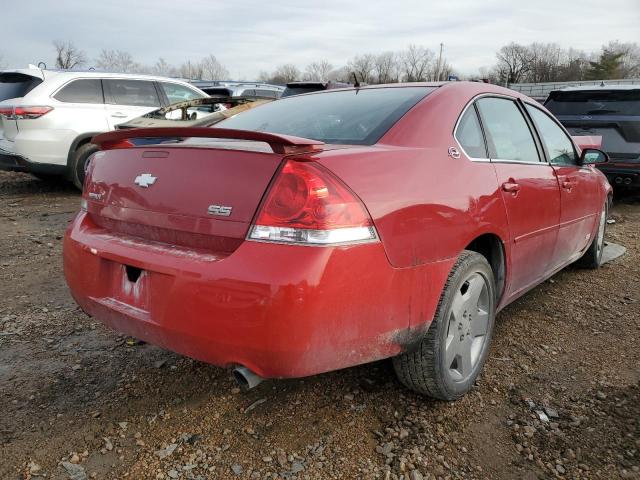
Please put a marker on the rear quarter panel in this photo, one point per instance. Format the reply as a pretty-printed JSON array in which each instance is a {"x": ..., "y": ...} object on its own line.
[{"x": 426, "y": 205}]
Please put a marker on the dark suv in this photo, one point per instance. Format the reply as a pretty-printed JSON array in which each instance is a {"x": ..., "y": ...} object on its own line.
[{"x": 612, "y": 112}]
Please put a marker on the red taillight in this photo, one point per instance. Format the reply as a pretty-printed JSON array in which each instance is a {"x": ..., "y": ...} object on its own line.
[
  {"x": 6, "y": 111},
  {"x": 117, "y": 144},
  {"x": 30, "y": 112},
  {"x": 308, "y": 204}
]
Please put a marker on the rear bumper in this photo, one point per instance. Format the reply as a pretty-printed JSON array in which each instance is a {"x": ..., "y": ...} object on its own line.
[
  {"x": 620, "y": 175},
  {"x": 12, "y": 162},
  {"x": 279, "y": 310}
]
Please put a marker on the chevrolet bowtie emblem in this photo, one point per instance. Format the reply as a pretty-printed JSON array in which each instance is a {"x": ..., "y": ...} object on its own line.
[{"x": 145, "y": 179}]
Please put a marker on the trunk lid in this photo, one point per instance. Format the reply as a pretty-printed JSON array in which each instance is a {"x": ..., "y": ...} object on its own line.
[{"x": 199, "y": 194}]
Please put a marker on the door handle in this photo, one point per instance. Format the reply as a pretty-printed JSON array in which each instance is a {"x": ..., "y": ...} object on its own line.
[
  {"x": 118, "y": 115},
  {"x": 511, "y": 186},
  {"x": 567, "y": 185}
]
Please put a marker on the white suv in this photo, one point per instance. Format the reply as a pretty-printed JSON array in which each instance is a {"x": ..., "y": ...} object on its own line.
[{"x": 47, "y": 118}]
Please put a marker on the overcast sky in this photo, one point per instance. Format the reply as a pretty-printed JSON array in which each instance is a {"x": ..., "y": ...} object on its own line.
[{"x": 253, "y": 35}]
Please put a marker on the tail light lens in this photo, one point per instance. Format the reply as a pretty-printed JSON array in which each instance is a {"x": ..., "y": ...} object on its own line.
[
  {"x": 30, "y": 112},
  {"x": 309, "y": 205},
  {"x": 116, "y": 145},
  {"x": 6, "y": 111}
]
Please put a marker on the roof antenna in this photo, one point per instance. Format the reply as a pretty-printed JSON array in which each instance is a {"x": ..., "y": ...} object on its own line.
[
  {"x": 356, "y": 83},
  {"x": 602, "y": 84}
]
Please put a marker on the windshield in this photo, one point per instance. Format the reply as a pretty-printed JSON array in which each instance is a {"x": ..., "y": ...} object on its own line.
[
  {"x": 587, "y": 102},
  {"x": 358, "y": 117},
  {"x": 15, "y": 85}
]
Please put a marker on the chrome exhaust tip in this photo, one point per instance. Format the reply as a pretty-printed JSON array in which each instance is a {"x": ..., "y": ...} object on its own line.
[{"x": 245, "y": 378}]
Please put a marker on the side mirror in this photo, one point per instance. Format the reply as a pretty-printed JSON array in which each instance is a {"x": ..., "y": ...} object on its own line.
[{"x": 592, "y": 156}]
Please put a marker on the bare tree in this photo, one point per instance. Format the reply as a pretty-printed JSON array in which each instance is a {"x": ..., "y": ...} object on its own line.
[
  {"x": 386, "y": 67},
  {"x": 416, "y": 63},
  {"x": 318, "y": 70},
  {"x": 364, "y": 67},
  {"x": 342, "y": 74},
  {"x": 117, "y": 61},
  {"x": 161, "y": 67},
  {"x": 67, "y": 55},
  {"x": 514, "y": 63},
  {"x": 285, "y": 74},
  {"x": 212, "y": 69},
  {"x": 574, "y": 65},
  {"x": 190, "y": 70},
  {"x": 546, "y": 62}
]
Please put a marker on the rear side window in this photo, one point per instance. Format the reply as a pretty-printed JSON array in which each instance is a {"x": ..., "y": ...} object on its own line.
[
  {"x": 352, "y": 117},
  {"x": 558, "y": 144},
  {"x": 81, "y": 91},
  {"x": 136, "y": 93},
  {"x": 594, "y": 102},
  {"x": 469, "y": 134},
  {"x": 16, "y": 85},
  {"x": 179, "y": 93},
  {"x": 508, "y": 134}
]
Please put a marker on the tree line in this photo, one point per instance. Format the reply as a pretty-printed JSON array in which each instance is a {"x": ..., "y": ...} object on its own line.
[
  {"x": 548, "y": 62},
  {"x": 68, "y": 56},
  {"x": 515, "y": 63}
]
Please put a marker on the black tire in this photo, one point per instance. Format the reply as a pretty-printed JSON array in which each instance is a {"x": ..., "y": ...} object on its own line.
[
  {"x": 79, "y": 163},
  {"x": 424, "y": 369},
  {"x": 592, "y": 258}
]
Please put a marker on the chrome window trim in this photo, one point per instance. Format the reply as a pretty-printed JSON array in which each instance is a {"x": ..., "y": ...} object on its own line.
[{"x": 471, "y": 103}]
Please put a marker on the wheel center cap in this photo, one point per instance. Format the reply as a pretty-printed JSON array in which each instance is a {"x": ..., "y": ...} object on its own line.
[{"x": 464, "y": 325}]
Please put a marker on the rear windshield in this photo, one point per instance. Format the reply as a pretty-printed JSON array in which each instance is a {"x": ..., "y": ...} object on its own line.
[
  {"x": 15, "y": 85},
  {"x": 355, "y": 117},
  {"x": 608, "y": 102}
]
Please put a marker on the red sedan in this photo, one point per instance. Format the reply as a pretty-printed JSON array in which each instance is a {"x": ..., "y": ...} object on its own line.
[{"x": 337, "y": 228}]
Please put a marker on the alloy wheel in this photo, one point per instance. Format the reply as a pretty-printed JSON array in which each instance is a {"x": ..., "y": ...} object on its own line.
[{"x": 468, "y": 327}]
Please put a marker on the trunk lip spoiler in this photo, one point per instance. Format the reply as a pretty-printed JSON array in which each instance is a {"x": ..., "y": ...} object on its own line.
[{"x": 281, "y": 144}]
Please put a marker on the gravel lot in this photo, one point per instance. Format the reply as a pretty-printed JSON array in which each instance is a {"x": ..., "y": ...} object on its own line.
[{"x": 79, "y": 401}]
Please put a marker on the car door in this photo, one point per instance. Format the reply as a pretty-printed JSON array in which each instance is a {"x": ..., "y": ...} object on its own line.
[
  {"x": 127, "y": 99},
  {"x": 529, "y": 190},
  {"x": 579, "y": 188}
]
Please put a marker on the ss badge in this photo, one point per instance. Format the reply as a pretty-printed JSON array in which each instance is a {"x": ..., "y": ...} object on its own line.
[{"x": 219, "y": 210}]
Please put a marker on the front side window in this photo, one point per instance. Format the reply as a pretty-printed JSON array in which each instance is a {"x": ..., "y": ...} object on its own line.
[
  {"x": 352, "y": 117},
  {"x": 469, "y": 134},
  {"x": 179, "y": 93},
  {"x": 86, "y": 90},
  {"x": 136, "y": 93},
  {"x": 558, "y": 144},
  {"x": 508, "y": 135}
]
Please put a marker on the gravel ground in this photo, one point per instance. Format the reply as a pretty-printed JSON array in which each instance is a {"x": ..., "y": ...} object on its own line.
[{"x": 559, "y": 397}]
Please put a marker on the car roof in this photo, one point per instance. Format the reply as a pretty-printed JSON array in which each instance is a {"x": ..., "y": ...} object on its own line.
[
  {"x": 51, "y": 73},
  {"x": 463, "y": 87}
]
